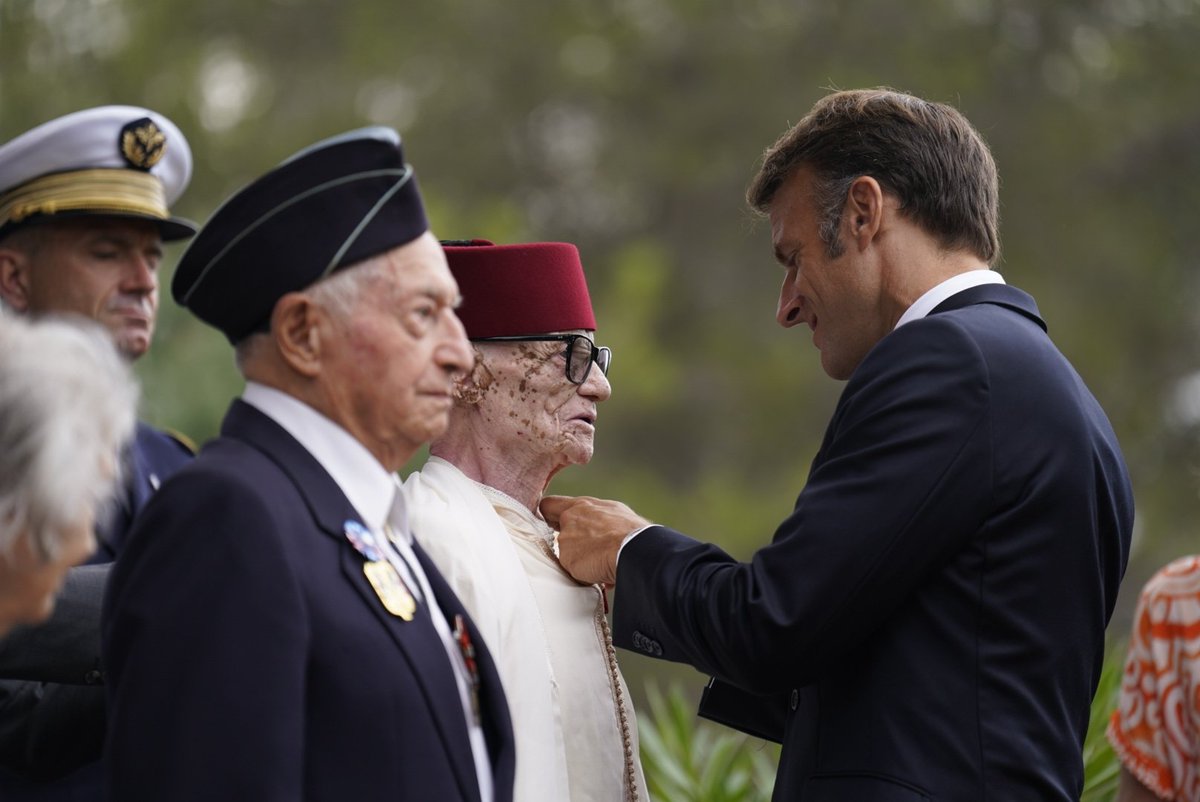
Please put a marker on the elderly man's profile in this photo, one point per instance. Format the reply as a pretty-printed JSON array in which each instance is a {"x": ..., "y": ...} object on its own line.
[{"x": 528, "y": 410}]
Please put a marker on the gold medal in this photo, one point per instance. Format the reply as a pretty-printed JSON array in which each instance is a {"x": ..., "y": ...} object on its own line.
[{"x": 390, "y": 588}]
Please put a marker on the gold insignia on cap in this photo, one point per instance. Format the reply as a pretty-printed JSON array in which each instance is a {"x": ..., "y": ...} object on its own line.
[{"x": 143, "y": 143}]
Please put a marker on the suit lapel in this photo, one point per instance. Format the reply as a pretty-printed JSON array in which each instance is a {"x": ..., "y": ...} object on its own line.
[
  {"x": 417, "y": 640},
  {"x": 422, "y": 648},
  {"x": 144, "y": 480},
  {"x": 136, "y": 489},
  {"x": 497, "y": 725}
]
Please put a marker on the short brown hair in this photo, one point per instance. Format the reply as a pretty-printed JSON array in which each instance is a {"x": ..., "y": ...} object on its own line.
[{"x": 926, "y": 154}]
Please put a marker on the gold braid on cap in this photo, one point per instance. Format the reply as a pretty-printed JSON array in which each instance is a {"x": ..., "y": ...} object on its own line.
[{"x": 98, "y": 191}]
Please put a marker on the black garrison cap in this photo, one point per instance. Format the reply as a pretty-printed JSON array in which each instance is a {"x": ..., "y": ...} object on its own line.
[{"x": 330, "y": 206}]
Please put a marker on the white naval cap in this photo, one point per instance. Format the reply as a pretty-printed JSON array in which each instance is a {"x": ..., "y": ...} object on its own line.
[{"x": 118, "y": 161}]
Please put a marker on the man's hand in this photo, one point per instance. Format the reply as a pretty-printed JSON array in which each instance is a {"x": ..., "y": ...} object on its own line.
[{"x": 591, "y": 531}]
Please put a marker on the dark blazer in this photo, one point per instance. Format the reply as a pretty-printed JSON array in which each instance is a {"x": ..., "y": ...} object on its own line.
[
  {"x": 154, "y": 458},
  {"x": 52, "y": 721},
  {"x": 928, "y": 623},
  {"x": 249, "y": 658}
]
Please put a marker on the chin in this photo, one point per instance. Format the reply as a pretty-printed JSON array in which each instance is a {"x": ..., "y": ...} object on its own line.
[
  {"x": 580, "y": 455},
  {"x": 133, "y": 347},
  {"x": 435, "y": 429}
]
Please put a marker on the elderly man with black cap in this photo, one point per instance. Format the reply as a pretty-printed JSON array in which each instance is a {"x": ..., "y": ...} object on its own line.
[
  {"x": 526, "y": 411},
  {"x": 281, "y": 636},
  {"x": 84, "y": 213}
]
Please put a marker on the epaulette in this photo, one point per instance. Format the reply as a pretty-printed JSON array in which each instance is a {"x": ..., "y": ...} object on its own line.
[{"x": 179, "y": 437}]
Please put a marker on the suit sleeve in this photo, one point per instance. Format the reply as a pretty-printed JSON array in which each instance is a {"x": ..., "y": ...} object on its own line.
[
  {"x": 48, "y": 730},
  {"x": 51, "y": 702},
  {"x": 205, "y": 640},
  {"x": 900, "y": 483},
  {"x": 66, "y": 648}
]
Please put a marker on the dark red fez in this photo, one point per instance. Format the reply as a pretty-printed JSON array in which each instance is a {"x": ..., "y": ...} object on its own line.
[{"x": 511, "y": 290}]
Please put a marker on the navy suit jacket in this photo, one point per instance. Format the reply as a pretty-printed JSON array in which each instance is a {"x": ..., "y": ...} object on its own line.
[
  {"x": 928, "y": 623},
  {"x": 249, "y": 658},
  {"x": 52, "y": 721}
]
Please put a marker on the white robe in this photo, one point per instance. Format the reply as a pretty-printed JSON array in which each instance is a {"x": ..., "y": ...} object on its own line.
[{"x": 571, "y": 712}]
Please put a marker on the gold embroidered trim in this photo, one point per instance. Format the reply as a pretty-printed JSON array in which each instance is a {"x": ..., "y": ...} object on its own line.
[{"x": 117, "y": 191}]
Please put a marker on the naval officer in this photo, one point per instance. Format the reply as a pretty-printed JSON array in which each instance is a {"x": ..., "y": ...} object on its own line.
[{"x": 84, "y": 213}]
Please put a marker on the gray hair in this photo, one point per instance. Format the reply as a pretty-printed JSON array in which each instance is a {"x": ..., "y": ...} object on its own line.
[
  {"x": 344, "y": 290},
  {"x": 340, "y": 293},
  {"x": 67, "y": 407}
]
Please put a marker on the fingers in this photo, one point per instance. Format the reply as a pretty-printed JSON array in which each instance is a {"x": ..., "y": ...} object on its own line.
[{"x": 553, "y": 507}]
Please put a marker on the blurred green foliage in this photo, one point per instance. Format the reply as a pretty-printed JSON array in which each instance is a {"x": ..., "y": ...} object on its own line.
[
  {"x": 689, "y": 761},
  {"x": 1101, "y": 769},
  {"x": 631, "y": 128}
]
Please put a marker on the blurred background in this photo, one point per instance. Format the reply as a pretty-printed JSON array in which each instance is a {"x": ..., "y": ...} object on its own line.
[{"x": 631, "y": 128}]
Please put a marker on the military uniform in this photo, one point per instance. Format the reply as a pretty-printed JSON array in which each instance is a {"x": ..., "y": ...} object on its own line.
[{"x": 120, "y": 162}]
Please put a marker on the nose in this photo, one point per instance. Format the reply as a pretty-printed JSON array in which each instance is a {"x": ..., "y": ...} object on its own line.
[
  {"x": 454, "y": 354},
  {"x": 596, "y": 386},
  {"x": 141, "y": 275},
  {"x": 791, "y": 303}
]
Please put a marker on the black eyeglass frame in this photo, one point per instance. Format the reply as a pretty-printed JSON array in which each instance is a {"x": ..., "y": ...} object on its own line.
[{"x": 601, "y": 355}]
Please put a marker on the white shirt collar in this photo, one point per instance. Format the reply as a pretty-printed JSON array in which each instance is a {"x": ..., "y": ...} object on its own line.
[
  {"x": 370, "y": 488},
  {"x": 951, "y": 286}
]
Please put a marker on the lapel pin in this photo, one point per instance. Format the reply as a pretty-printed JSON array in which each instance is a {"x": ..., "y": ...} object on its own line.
[{"x": 362, "y": 540}]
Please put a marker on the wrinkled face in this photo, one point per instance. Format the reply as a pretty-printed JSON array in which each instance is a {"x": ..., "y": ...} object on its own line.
[
  {"x": 840, "y": 299},
  {"x": 530, "y": 407},
  {"x": 28, "y": 584},
  {"x": 390, "y": 365},
  {"x": 104, "y": 268}
]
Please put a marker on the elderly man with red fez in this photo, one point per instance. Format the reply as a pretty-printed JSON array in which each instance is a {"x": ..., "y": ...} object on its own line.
[
  {"x": 84, "y": 213},
  {"x": 526, "y": 411},
  {"x": 280, "y": 636}
]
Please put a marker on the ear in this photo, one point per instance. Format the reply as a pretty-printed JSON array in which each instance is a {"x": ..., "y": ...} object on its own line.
[
  {"x": 864, "y": 210},
  {"x": 296, "y": 329},
  {"x": 14, "y": 278}
]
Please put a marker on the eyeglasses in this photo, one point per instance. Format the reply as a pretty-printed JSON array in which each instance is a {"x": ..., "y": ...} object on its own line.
[{"x": 581, "y": 352}]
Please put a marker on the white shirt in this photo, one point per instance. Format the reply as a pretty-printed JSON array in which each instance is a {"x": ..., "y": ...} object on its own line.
[
  {"x": 373, "y": 491},
  {"x": 940, "y": 292}
]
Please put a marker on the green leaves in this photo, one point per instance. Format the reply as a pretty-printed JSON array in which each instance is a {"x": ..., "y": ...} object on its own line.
[
  {"x": 1101, "y": 769},
  {"x": 688, "y": 760}
]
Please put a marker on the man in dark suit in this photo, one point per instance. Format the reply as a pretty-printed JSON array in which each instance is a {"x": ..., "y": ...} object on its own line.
[
  {"x": 83, "y": 217},
  {"x": 928, "y": 623},
  {"x": 272, "y": 631}
]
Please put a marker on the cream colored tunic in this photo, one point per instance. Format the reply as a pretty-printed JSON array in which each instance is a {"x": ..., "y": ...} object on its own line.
[{"x": 574, "y": 724}]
